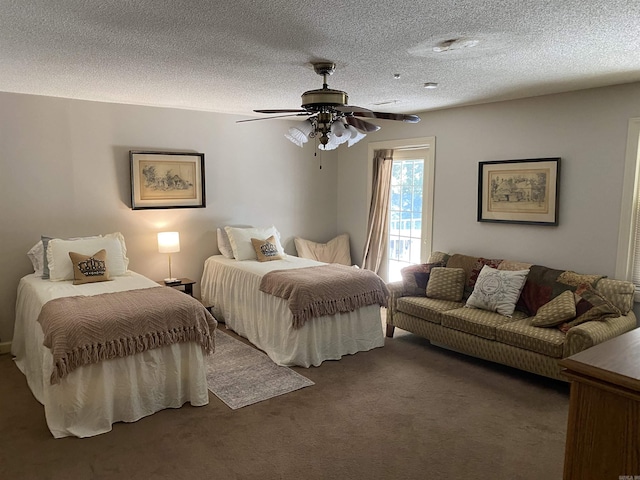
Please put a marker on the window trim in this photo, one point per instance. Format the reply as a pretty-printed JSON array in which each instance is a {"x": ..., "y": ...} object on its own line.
[
  {"x": 428, "y": 143},
  {"x": 629, "y": 205}
]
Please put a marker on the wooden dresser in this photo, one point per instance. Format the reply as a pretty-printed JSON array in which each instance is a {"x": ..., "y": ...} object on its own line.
[{"x": 603, "y": 434}]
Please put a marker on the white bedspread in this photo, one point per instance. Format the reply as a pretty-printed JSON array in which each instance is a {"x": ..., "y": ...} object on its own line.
[
  {"x": 231, "y": 287},
  {"x": 90, "y": 399}
]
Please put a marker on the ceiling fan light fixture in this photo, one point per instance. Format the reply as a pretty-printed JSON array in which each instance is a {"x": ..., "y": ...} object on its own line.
[{"x": 331, "y": 120}]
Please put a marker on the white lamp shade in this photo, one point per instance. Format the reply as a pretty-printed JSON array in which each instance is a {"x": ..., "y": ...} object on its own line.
[
  {"x": 356, "y": 136},
  {"x": 168, "y": 242},
  {"x": 300, "y": 133}
]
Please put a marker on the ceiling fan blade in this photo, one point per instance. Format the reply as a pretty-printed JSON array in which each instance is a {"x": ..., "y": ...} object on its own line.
[
  {"x": 285, "y": 110},
  {"x": 388, "y": 116},
  {"x": 362, "y": 125},
  {"x": 350, "y": 109},
  {"x": 277, "y": 116}
]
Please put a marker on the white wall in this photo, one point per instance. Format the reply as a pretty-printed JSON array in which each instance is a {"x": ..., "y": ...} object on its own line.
[
  {"x": 64, "y": 171},
  {"x": 586, "y": 128}
]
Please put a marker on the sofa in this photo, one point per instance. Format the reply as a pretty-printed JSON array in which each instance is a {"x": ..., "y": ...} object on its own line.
[{"x": 518, "y": 314}]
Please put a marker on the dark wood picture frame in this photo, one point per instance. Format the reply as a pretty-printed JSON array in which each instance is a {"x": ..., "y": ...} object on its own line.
[
  {"x": 519, "y": 191},
  {"x": 167, "y": 180}
]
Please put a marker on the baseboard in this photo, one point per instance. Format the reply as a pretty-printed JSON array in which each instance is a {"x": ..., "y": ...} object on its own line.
[{"x": 5, "y": 347}]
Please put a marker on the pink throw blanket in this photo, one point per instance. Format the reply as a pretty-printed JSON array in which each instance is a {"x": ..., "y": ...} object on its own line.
[
  {"x": 88, "y": 329},
  {"x": 325, "y": 290}
]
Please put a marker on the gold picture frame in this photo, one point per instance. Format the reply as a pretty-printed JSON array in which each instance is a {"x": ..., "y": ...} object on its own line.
[
  {"x": 519, "y": 191},
  {"x": 167, "y": 180}
]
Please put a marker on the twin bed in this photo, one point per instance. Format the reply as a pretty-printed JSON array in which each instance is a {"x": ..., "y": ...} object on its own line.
[
  {"x": 83, "y": 396},
  {"x": 232, "y": 288},
  {"x": 86, "y": 398}
]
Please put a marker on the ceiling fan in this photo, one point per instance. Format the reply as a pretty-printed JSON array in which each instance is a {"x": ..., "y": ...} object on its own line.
[{"x": 330, "y": 118}]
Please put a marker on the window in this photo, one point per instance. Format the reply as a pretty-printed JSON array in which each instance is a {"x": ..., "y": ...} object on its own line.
[
  {"x": 405, "y": 212},
  {"x": 628, "y": 262},
  {"x": 412, "y": 235}
]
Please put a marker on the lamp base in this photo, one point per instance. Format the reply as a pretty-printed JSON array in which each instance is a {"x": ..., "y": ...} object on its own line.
[{"x": 171, "y": 281}]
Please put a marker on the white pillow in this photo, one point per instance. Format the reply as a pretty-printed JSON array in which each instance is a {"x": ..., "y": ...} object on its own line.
[
  {"x": 36, "y": 255},
  {"x": 240, "y": 239},
  {"x": 336, "y": 250},
  {"x": 61, "y": 267},
  {"x": 224, "y": 245},
  {"x": 497, "y": 290}
]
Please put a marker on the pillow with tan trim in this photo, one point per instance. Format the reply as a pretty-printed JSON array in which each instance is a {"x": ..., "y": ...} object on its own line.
[
  {"x": 557, "y": 311},
  {"x": 89, "y": 268},
  {"x": 446, "y": 283},
  {"x": 266, "y": 250}
]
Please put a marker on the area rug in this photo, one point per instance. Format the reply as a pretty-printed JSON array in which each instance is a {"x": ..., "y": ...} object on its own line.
[{"x": 241, "y": 375}]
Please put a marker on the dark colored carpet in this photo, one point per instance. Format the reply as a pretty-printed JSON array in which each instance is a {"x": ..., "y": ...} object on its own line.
[{"x": 408, "y": 410}]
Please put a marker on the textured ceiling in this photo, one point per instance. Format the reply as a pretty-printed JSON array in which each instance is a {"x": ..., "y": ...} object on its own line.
[{"x": 235, "y": 56}]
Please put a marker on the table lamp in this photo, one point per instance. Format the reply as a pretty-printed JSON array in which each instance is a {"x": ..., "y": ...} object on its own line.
[{"x": 169, "y": 242}]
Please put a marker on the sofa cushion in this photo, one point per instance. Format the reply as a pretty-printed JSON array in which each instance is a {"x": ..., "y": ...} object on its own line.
[
  {"x": 438, "y": 257},
  {"x": 416, "y": 277},
  {"x": 446, "y": 284},
  {"x": 557, "y": 311},
  {"x": 476, "y": 321},
  {"x": 520, "y": 333},
  {"x": 497, "y": 290},
  {"x": 426, "y": 308}
]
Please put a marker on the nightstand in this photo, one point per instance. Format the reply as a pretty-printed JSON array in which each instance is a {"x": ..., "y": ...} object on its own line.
[{"x": 185, "y": 284}]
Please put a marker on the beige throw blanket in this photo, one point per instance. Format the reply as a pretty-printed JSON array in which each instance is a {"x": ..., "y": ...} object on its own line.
[
  {"x": 87, "y": 329},
  {"x": 325, "y": 290}
]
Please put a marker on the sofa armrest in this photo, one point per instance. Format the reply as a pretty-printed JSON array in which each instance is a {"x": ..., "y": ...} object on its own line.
[
  {"x": 588, "y": 334},
  {"x": 396, "y": 290}
]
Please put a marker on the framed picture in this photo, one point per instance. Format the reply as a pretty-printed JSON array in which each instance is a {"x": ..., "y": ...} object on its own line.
[
  {"x": 167, "y": 180},
  {"x": 519, "y": 191}
]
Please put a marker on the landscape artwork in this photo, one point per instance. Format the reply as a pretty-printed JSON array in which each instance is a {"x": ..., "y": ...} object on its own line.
[
  {"x": 167, "y": 180},
  {"x": 519, "y": 191}
]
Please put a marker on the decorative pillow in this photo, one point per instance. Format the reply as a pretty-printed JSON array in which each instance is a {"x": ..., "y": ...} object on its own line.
[
  {"x": 472, "y": 267},
  {"x": 240, "y": 239},
  {"x": 266, "y": 250},
  {"x": 89, "y": 268},
  {"x": 336, "y": 250},
  {"x": 60, "y": 268},
  {"x": 416, "y": 277},
  {"x": 497, "y": 290},
  {"x": 590, "y": 305},
  {"x": 438, "y": 257},
  {"x": 224, "y": 245},
  {"x": 446, "y": 283},
  {"x": 557, "y": 311}
]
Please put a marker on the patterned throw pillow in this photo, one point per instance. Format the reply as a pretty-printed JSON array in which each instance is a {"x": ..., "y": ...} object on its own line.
[
  {"x": 89, "y": 268},
  {"x": 591, "y": 305},
  {"x": 557, "y": 311},
  {"x": 416, "y": 277},
  {"x": 266, "y": 250},
  {"x": 497, "y": 290},
  {"x": 446, "y": 283}
]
